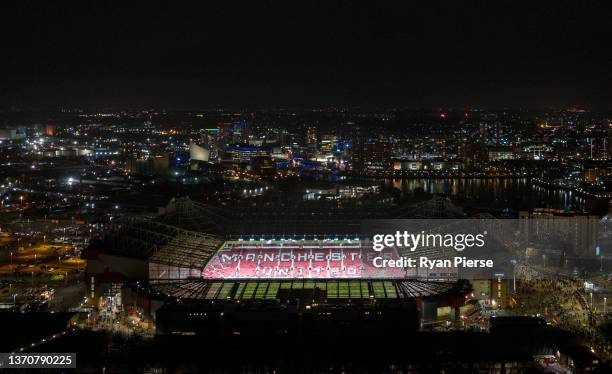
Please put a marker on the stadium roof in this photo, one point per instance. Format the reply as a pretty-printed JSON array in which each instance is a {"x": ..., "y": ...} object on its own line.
[
  {"x": 295, "y": 217},
  {"x": 166, "y": 244},
  {"x": 187, "y": 248}
]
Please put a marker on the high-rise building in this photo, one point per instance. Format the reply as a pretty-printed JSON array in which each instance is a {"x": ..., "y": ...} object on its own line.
[
  {"x": 310, "y": 137},
  {"x": 225, "y": 133},
  {"x": 50, "y": 130},
  {"x": 370, "y": 153},
  {"x": 329, "y": 143},
  {"x": 578, "y": 231},
  {"x": 240, "y": 131},
  {"x": 156, "y": 165},
  {"x": 284, "y": 138}
]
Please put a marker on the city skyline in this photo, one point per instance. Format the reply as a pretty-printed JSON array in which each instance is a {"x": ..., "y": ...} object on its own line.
[{"x": 297, "y": 187}]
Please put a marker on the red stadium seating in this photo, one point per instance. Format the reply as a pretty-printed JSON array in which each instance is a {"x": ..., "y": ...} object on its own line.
[
  {"x": 319, "y": 263},
  {"x": 281, "y": 260}
]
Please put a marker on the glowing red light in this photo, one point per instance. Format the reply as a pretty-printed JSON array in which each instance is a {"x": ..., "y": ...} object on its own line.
[{"x": 261, "y": 260}]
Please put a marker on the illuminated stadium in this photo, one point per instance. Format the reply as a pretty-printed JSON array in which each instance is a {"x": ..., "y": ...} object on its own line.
[
  {"x": 337, "y": 269},
  {"x": 177, "y": 271}
]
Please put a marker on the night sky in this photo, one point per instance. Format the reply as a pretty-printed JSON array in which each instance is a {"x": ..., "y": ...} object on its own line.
[{"x": 262, "y": 54}]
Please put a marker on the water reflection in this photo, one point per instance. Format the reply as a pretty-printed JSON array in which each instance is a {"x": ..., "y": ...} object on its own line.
[{"x": 498, "y": 193}]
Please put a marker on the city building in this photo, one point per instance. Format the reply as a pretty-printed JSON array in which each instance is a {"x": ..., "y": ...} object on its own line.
[{"x": 157, "y": 165}]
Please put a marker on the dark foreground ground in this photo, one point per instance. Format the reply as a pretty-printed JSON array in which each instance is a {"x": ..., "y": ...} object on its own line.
[{"x": 373, "y": 352}]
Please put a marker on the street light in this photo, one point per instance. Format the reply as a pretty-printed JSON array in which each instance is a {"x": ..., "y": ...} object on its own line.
[
  {"x": 591, "y": 293},
  {"x": 605, "y": 299},
  {"x": 11, "y": 262}
]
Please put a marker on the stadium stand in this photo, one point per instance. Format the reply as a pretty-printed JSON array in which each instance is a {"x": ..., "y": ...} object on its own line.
[
  {"x": 298, "y": 259},
  {"x": 331, "y": 289}
]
